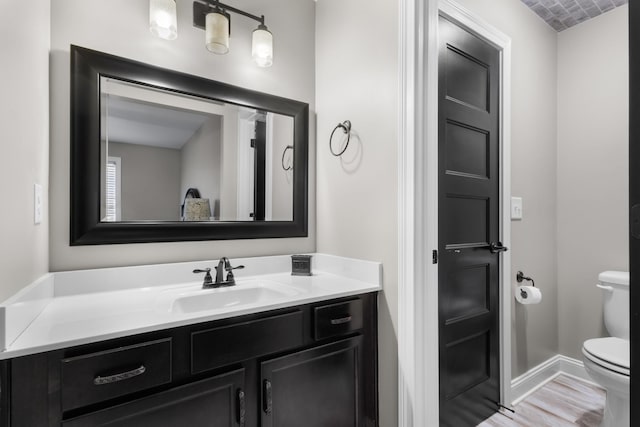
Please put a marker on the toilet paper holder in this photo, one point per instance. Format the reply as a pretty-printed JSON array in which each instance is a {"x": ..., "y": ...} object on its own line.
[
  {"x": 520, "y": 277},
  {"x": 526, "y": 294}
]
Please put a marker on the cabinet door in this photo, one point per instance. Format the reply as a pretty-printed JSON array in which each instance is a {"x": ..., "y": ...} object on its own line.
[
  {"x": 214, "y": 402},
  {"x": 319, "y": 387}
]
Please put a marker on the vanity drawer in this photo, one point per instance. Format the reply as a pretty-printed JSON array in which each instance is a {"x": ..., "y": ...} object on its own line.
[
  {"x": 107, "y": 374},
  {"x": 213, "y": 348},
  {"x": 337, "y": 319}
]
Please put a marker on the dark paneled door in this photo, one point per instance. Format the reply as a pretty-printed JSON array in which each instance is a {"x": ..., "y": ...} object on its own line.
[{"x": 468, "y": 227}]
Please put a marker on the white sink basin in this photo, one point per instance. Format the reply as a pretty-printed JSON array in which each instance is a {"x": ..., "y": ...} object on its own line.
[{"x": 244, "y": 294}]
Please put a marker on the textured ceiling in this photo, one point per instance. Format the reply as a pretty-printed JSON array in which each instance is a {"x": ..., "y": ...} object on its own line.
[{"x": 563, "y": 14}]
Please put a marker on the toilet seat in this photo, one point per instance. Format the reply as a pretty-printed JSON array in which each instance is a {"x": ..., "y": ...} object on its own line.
[{"x": 610, "y": 353}]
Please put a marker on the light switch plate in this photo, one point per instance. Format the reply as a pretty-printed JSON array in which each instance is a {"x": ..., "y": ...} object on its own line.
[
  {"x": 37, "y": 203},
  {"x": 516, "y": 208}
]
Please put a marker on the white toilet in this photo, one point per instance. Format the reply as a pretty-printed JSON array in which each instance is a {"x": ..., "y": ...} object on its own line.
[{"x": 607, "y": 359}]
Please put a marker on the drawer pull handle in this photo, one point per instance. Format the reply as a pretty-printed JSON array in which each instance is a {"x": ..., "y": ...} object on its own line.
[
  {"x": 267, "y": 398},
  {"x": 119, "y": 377},
  {"x": 341, "y": 320}
]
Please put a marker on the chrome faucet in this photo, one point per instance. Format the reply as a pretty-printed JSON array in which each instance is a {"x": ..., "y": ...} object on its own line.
[{"x": 223, "y": 265}]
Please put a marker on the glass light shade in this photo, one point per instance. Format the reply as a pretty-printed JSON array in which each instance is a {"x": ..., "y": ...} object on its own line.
[
  {"x": 163, "y": 20},
  {"x": 262, "y": 46},
  {"x": 217, "y": 33}
]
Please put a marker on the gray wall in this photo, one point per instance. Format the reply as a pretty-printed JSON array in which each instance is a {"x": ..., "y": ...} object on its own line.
[
  {"x": 122, "y": 29},
  {"x": 24, "y": 120},
  {"x": 593, "y": 170},
  {"x": 357, "y": 79},
  {"x": 201, "y": 162},
  {"x": 282, "y": 181},
  {"x": 150, "y": 182}
]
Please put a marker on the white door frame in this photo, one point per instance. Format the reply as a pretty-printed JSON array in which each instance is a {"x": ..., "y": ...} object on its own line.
[
  {"x": 418, "y": 206},
  {"x": 246, "y": 168},
  {"x": 268, "y": 170}
]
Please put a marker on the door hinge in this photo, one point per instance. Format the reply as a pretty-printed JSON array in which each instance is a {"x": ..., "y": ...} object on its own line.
[
  {"x": 434, "y": 257},
  {"x": 253, "y": 143}
]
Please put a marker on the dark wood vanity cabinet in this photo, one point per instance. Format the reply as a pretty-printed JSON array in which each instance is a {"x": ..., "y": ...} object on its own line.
[
  {"x": 313, "y": 365},
  {"x": 215, "y": 401},
  {"x": 320, "y": 385}
]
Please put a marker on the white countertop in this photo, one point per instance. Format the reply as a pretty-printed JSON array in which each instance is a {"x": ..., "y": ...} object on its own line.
[{"x": 72, "y": 317}]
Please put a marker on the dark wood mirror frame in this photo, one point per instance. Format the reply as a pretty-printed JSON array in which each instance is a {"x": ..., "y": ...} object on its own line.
[{"x": 87, "y": 67}]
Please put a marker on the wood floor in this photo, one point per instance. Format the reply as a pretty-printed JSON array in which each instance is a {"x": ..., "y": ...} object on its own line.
[{"x": 564, "y": 401}]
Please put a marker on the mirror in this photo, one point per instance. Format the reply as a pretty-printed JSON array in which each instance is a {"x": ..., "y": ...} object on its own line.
[
  {"x": 170, "y": 157},
  {"x": 158, "y": 155}
]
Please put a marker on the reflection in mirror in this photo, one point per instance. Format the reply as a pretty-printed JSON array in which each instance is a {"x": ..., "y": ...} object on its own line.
[{"x": 171, "y": 157}]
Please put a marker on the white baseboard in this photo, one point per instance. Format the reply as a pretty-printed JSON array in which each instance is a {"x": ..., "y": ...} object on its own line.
[{"x": 532, "y": 380}]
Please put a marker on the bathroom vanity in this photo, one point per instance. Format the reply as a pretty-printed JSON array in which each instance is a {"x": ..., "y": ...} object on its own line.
[
  {"x": 309, "y": 359},
  {"x": 312, "y": 365}
]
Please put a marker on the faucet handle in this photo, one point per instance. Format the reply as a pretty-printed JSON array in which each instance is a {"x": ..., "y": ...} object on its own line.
[
  {"x": 230, "y": 278},
  {"x": 227, "y": 264},
  {"x": 208, "y": 280}
]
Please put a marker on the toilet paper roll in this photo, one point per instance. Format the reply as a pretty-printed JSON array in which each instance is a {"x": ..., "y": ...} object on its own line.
[{"x": 528, "y": 295}]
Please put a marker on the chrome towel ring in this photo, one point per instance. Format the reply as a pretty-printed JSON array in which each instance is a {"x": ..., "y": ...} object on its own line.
[
  {"x": 286, "y": 168},
  {"x": 346, "y": 128}
]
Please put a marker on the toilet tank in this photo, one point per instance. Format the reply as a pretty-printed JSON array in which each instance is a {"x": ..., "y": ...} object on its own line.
[{"x": 615, "y": 286}]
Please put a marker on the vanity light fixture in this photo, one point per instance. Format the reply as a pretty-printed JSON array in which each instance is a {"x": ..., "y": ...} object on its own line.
[
  {"x": 217, "y": 31},
  {"x": 163, "y": 20},
  {"x": 214, "y": 17}
]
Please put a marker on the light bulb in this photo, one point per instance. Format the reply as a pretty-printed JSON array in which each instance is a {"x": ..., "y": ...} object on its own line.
[
  {"x": 217, "y": 33},
  {"x": 262, "y": 46},
  {"x": 163, "y": 21}
]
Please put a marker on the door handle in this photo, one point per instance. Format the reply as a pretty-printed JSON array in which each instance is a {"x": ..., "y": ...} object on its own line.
[{"x": 497, "y": 247}]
